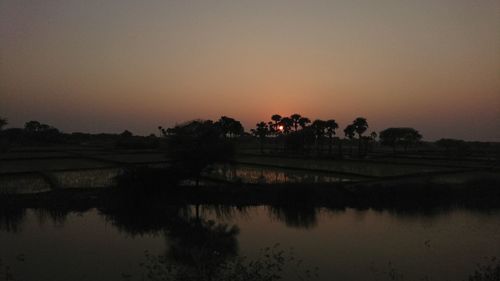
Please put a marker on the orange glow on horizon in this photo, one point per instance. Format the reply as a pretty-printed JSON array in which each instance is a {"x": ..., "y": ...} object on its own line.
[{"x": 80, "y": 68}]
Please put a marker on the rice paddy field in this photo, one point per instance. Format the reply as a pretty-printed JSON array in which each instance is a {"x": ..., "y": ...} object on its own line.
[{"x": 28, "y": 170}]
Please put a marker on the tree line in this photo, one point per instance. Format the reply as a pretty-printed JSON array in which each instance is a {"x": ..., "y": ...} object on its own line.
[
  {"x": 297, "y": 132},
  {"x": 294, "y": 133},
  {"x": 38, "y": 133}
]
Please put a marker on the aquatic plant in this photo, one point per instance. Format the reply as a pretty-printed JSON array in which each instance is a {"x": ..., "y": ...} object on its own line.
[
  {"x": 272, "y": 263},
  {"x": 489, "y": 271}
]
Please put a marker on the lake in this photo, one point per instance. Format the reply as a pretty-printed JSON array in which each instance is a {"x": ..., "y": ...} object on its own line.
[{"x": 345, "y": 243}]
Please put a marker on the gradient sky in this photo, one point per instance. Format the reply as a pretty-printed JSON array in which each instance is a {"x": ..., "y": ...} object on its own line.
[{"x": 106, "y": 66}]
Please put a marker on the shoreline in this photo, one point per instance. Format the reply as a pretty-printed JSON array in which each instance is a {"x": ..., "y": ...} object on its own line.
[{"x": 363, "y": 195}]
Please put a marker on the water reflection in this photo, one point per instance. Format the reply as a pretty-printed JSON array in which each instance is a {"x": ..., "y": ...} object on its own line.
[
  {"x": 197, "y": 238},
  {"x": 55, "y": 216},
  {"x": 171, "y": 220},
  {"x": 272, "y": 175},
  {"x": 11, "y": 218},
  {"x": 142, "y": 221},
  {"x": 226, "y": 212},
  {"x": 195, "y": 245},
  {"x": 294, "y": 216},
  {"x": 92, "y": 178},
  {"x": 200, "y": 246}
]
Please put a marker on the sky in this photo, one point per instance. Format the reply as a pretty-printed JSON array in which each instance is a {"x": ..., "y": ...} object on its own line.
[{"x": 106, "y": 66}]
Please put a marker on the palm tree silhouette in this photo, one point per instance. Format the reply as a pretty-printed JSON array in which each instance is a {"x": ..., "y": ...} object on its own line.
[
  {"x": 372, "y": 139},
  {"x": 349, "y": 133},
  {"x": 318, "y": 127},
  {"x": 271, "y": 127},
  {"x": 331, "y": 126},
  {"x": 295, "y": 121},
  {"x": 287, "y": 124},
  {"x": 276, "y": 118},
  {"x": 360, "y": 126},
  {"x": 261, "y": 131}
]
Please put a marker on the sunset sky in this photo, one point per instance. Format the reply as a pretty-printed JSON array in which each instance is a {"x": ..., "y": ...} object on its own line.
[{"x": 106, "y": 66}]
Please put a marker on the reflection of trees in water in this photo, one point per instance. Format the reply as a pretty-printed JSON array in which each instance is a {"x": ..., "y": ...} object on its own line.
[
  {"x": 200, "y": 246},
  {"x": 271, "y": 175},
  {"x": 56, "y": 216},
  {"x": 226, "y": 212},
  {"x": 195, "y": 246},
  {"x": 11, "y": 218},
  {"x": 295, "y": 216},
  {"x": 142, "y": 221}
]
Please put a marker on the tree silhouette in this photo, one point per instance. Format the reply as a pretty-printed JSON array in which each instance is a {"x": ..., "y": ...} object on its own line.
[
  {"x": 453, "y": 147},
  {"x": 411, "y": 137},
  {"x": 287, "y": 124},
  {"x": 41, "y": 132},
  {"x": 196, "y": 145},
  {"x": 276, "y": 119},
  {"x": 318, "y": 127},
  {"x": 372, "y": 139},
  {"x": 163, "y": 131},
  {"x": 261, "y": 131},
  {"x": 32, "y": 126},
  {"x": 3, "y": 122},
  {"x": 224, "y": 124},
  {"x": 271, "y": 127},
  {"x": 230, "y": 127},
  {"x": 35, "y": 126},
  {"x": 349, "y": 133},
  {"x": 360, "y": 126},
  {"x": 126, "y": 134},
  {"x": 236, "y": 129},
  {"x": 331, "y": 126},
  {"x": 399, "y": 136},
  {"x": 295, "y": 121},
  {"x": 303, "y": 121}
]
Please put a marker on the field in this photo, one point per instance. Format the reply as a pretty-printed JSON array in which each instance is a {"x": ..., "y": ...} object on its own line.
[{"x": 33, "y": 170}]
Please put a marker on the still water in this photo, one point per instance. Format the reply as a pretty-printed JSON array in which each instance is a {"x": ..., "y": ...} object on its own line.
[
  {"x": 345, "y": 244},
  {"x": 257, "y": 174}
]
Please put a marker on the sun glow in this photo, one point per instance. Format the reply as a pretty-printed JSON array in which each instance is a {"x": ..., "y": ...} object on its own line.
[{"x": 281, "y": 128}]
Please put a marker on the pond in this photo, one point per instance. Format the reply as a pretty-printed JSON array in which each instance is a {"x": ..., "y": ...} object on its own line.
[{"x": 345, "y": 243}]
